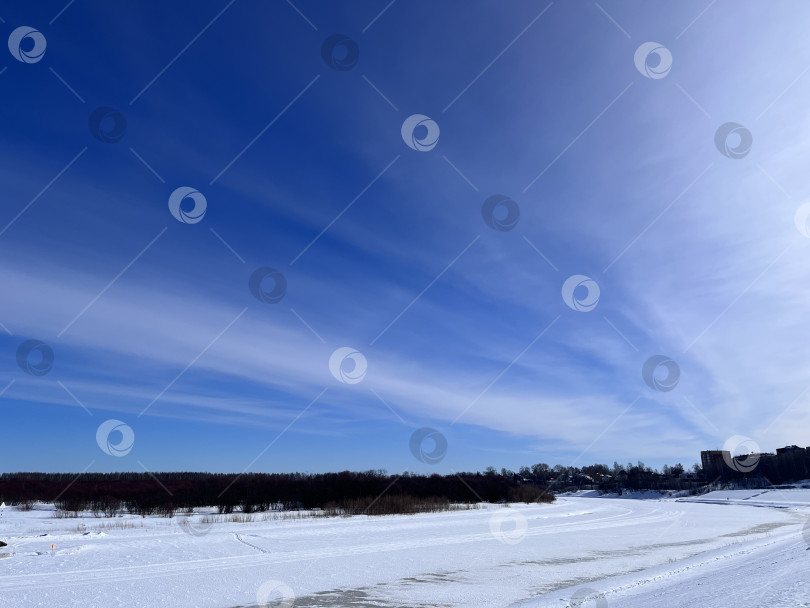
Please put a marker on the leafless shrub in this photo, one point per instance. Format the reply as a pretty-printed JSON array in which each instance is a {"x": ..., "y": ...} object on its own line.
[{"x": 390, "y": 505}]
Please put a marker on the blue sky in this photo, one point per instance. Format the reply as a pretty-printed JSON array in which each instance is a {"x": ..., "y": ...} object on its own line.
[{"x": 464, "y": 328}]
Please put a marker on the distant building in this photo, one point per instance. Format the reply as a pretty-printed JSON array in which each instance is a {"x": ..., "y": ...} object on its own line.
[
  {"x": 713, "y": 459},
  {"x": 688, "y": 475},
  {"x": 789, "y": 449}
]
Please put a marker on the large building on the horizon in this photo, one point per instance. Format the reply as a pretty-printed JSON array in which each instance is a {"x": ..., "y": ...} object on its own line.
[
  {"x": 710, "y": 459},
  {"x": 790, "y": 449},
  {"x": 791, "y": 460}
]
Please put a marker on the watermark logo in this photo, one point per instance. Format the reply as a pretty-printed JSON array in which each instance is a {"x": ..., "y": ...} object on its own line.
[
  {"x": 801, "y": 217},
  {"x": 500, "y": 212},
  {"x": 107, "y": 125},
  {"x": 35, "y": 357},
  {"x": 267, "y": 285},
  {"x": 275, "y": 594},
  {"x": 653, "y": 60},
  {"x": 587, "y": 289},
  {"x": 428, "y": 445},
  {"x": 661, "y": 373},
  {"x": 340, "y": 52},
  {"x": 198, "y": 528},
  {"x": 508, "y": 526},
  {"x": 586, "y": 596},
  {"x": 741, "y": 453},
  {"x": 125, "y": 443},
  {"x": 27, "y": 44},
  {"x": 187, "y": 216},
  {"x": 733, "y": 140},
  {"x": 420, "y": 132},
  {"x": 348, "y": 365}
]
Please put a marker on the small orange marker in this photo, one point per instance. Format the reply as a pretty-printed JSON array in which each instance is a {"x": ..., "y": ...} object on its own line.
[{"x": 53, "y": 546}]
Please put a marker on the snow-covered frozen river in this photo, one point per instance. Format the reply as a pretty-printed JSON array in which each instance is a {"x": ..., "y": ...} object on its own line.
[{"x": 612, "y": 552}]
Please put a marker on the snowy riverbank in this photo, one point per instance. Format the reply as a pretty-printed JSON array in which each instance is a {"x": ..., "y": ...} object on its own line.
[{"x": 660, "y": 552}]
